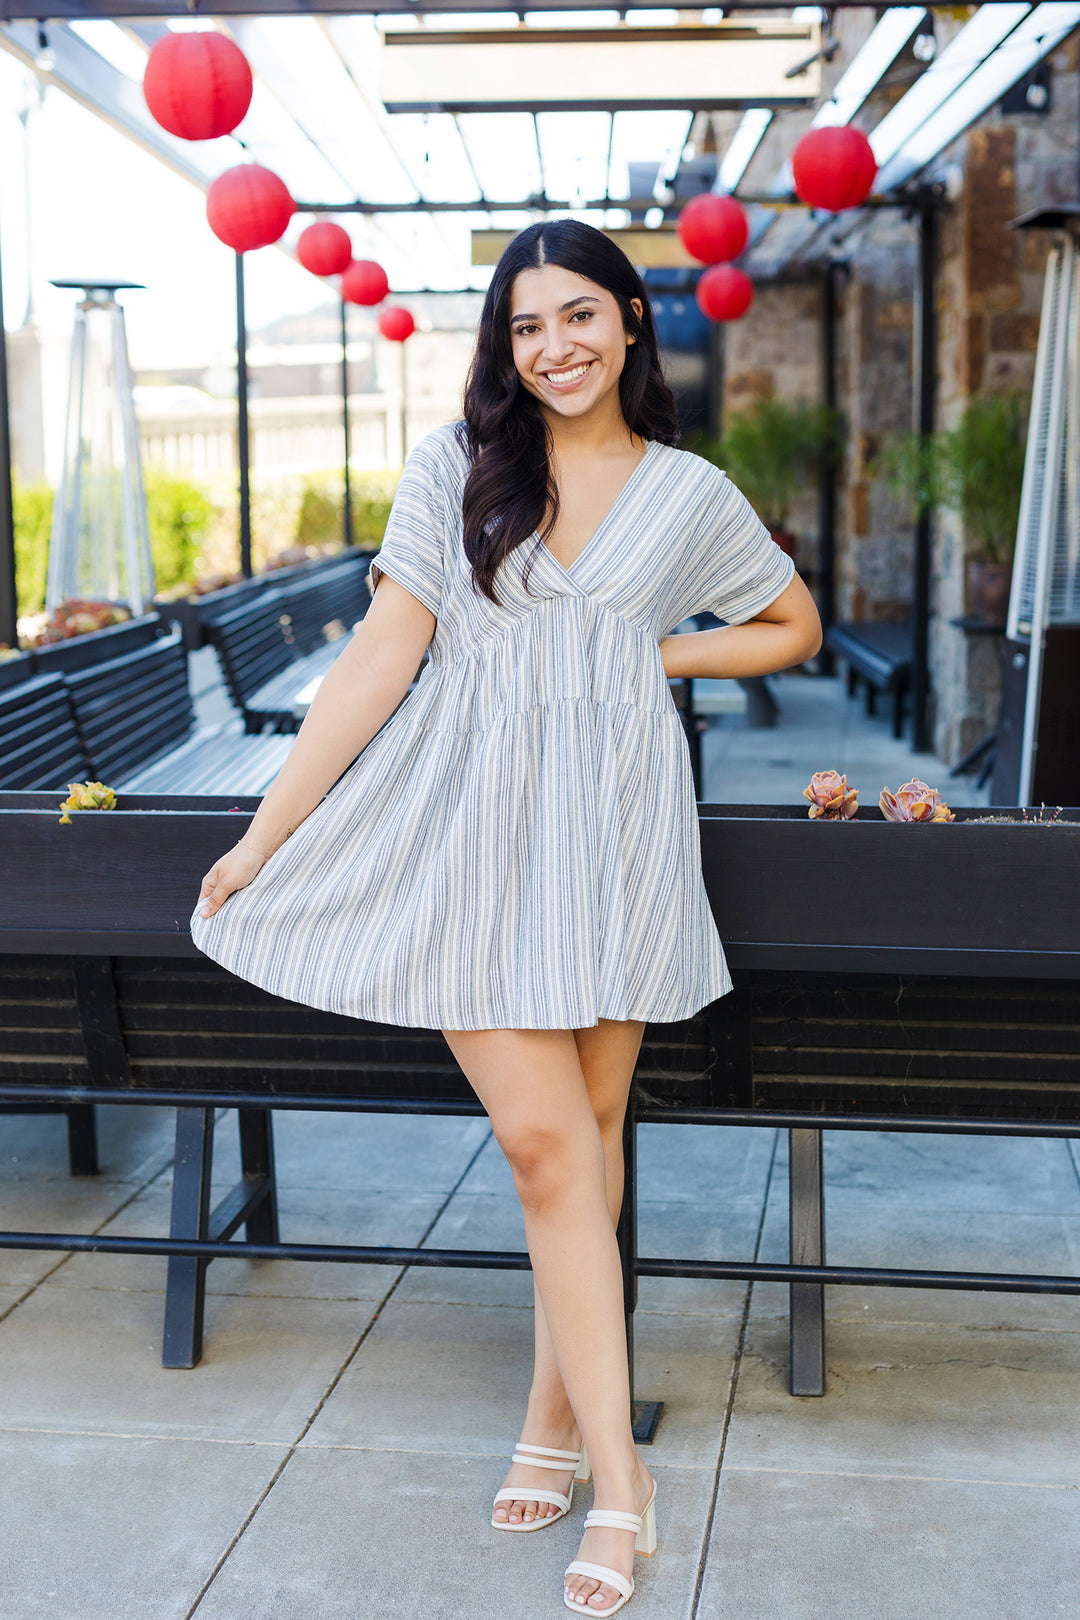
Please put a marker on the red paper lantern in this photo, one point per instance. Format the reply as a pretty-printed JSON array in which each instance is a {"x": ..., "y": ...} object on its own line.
[
  {"x": 364, "y": 282},
  {"x": 713, "y": 228},
  {"x": 724, "y": 293},
  {"x": 324, "y": 249},
  {"x": 197, "y": 86},
  {"x": 834, "y": 168},
  {"x": 396, "y": 323},
  {"x": 249, "y": 207}
]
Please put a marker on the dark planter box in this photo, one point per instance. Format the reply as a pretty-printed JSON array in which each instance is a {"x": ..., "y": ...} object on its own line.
[
  {"x": 788, "y": 893},
  {"x": 81, "y": 652},
  {"x": 194, "y": 613}
]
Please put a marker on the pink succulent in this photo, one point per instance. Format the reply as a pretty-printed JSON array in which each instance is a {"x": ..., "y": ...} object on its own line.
[
  {"x": 830, "y": 797},
  {"x": 914, "y": 802}
]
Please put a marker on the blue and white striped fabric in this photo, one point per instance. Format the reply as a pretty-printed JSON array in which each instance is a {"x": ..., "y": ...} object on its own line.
[{"x": 518, "y": 846}]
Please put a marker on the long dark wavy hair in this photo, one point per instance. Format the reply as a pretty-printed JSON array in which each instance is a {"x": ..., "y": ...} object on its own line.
[{"x": 511, "y": 484}]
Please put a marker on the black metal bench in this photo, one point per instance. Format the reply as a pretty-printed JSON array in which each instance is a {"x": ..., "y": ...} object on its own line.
[
  {"x": 880, "y": 654},
  {"x": 264, "y": 667},
  {"x": 137, "y": 724},
  {"x": 922, "y": 999},
  {"x": 196, "y": 613}
]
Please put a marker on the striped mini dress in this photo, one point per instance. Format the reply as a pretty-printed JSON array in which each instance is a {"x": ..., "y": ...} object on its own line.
[{"x": 518, "y": 846}]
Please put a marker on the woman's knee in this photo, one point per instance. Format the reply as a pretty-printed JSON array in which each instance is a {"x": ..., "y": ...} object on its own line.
[{"x": 546, "y": 1161}]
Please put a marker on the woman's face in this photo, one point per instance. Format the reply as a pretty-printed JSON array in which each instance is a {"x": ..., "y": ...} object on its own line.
[{"x": 568, "y": 340}]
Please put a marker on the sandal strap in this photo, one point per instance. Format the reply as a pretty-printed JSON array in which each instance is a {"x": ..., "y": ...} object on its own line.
[
  {"x": 603, "y": 1519},
  {"x": 599, "y": 1572},
  {"x": 523, "y": 1493},
  {"x": 533, "y": 1461},
  {"x": 549, "y": 1451}
]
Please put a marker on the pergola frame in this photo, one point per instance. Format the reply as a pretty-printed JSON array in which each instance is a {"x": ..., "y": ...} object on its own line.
[{"x": 923, "y": 201}]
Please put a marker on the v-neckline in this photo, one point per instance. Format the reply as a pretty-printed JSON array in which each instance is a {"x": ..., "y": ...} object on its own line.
[{"x": 568, "y": 568}]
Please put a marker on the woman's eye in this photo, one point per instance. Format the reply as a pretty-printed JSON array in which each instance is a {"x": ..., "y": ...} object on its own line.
[
  {"x": 523, "y": 331},
  {"x": 585, "y": 312}
]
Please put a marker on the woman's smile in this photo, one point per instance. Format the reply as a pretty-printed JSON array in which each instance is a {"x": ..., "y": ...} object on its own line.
[{"x": 565, "y": 378}]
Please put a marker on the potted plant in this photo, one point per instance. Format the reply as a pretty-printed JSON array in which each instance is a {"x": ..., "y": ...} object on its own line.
[
  {"x": 770, "y": 450},
  {"x": 977, "y": 469}
]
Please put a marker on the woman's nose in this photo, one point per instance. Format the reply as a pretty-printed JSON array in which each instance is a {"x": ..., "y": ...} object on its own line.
[{"x": 558, "y": 343}]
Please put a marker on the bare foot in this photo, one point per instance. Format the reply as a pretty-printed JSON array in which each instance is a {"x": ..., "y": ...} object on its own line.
[
  {"x": 612, "y": 1548},
  {"x": 526, "y": 1509}
]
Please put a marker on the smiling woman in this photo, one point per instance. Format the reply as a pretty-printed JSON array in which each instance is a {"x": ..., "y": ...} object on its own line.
[{"x": 514, "y": 856}]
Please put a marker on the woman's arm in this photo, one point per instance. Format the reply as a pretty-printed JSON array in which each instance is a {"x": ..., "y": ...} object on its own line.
[
  {"x": 356, "y": 697},
  {"x": 784, "y": 633}
]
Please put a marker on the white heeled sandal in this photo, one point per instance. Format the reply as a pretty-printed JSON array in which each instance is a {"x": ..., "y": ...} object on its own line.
[
  {"x": 643, "y": 1525},
  {"x": 543, "y": 1457}
]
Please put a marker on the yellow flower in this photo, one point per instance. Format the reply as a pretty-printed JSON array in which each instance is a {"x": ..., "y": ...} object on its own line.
[{"x": 86, "y": 796}]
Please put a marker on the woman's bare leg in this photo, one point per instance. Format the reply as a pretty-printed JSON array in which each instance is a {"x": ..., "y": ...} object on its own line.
[
  {"x": 532, "y": 1084},
  {"x": 607, "y": 1052}
]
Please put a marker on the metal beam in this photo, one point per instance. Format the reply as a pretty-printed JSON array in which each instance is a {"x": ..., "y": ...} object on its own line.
[
  {"x": 85, "y": 76},
  {"x": 77, "y": 10}
]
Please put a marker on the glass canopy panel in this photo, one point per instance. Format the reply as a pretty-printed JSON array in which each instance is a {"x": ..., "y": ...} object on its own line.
[
  {"x": 644, "y": 137},
  {"x": 297, "y": 61},
  {"x": 573, "y": 149},
  {"x": 869, "y": 65},
  {"x": 741, "y": 148},
  {"x": 983, "y": 34},
  {"x": 272, "y": 137},
  {"x": 432, "y": 151},
  {"x": 571, "y": 19},
  {"x": 1037, "y": 35},
  {"x": 114, "y": 45},
  {"x": 502, "y": 147}
]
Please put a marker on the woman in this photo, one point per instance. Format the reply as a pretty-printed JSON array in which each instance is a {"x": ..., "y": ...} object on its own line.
[{"x": 513, "y": 858}]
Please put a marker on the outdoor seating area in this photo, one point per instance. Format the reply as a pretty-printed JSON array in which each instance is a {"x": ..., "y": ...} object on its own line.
[{"x": 321, "y": 1382}]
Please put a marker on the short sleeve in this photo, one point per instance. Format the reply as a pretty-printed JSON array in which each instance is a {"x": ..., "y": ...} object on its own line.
[
  {"x": 413, "y": 545},
  {"x": 735, "y": 567}
]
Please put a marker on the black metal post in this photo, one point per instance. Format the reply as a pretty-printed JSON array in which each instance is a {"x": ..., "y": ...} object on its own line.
[
  {"x": 806, "y": 1201},
  {"x": 185, "y": 1289},
  {"x": 345, "y": 415},
  {"x": 242, "y": 422},
  {"x": 8, "y": 601},
  {"x": 827, "y": 469},
  {"x": 646, "y": 1414},
  {"x": 924, "y": 399}
]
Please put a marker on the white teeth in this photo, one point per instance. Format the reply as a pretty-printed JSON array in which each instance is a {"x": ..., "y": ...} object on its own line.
[{"x": 569, "y": 376}]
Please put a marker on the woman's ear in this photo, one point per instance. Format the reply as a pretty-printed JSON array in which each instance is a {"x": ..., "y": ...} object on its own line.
[{"x": 636, "y": 306}]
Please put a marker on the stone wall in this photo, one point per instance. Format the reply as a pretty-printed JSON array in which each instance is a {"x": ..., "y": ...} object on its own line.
[{"x": 989, "y": 300}]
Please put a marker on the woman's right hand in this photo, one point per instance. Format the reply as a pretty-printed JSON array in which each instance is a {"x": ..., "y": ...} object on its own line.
[{"x": 235, "y": 870}]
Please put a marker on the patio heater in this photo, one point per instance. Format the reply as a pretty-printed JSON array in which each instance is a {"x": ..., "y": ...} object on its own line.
[
  {"x": 99, "y": 545},
  {"x": 1038, "y": 754}
]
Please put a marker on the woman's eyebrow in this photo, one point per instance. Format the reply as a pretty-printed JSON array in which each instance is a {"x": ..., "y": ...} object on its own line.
[{"x": 586, "y": 298}]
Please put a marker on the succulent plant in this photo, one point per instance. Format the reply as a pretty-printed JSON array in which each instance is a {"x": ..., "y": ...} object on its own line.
[
  {"x": 914, "y": 802},
  {"x": 86, "y": 796},
  {"x": 830, "y": 797}
]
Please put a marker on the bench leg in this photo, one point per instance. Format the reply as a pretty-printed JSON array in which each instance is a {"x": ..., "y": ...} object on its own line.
[
  {"x": 82, "y": 1139},
  {"x": 852, "y": 681},
  {"x": 185, "y": 1288},
  {"x": 807, "y": 1308},
  {"x": 646, "y": 1414},
  {"x": 898, "y": 710},
  {"x": 257, "y": 1163}
]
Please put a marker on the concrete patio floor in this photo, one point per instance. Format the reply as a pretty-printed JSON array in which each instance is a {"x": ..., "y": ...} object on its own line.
[{"x": 334, "y": 1454}]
